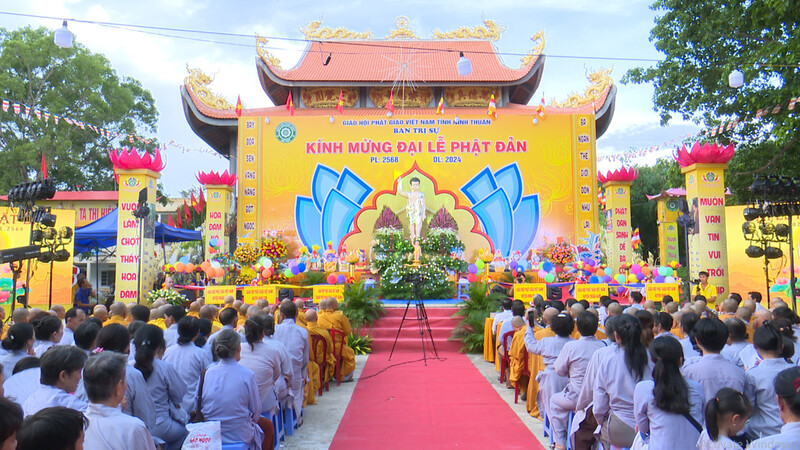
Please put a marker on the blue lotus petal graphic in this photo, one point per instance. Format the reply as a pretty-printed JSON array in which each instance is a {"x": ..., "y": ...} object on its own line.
[
  {"x": 480, "y": 186},
  {"x": 338, "y": 213},
  {"x": 526, "y": 223},
  {"x": 322, "y": 182},
  {"x": 497, "y": 219},
  {"x": 353, "y": 187},
  {"x": 307, "y": 219},
  {"x": 329, "y": 213},
  {"x": 510, "y": 220},
  {"x": 510, "y": 179}
]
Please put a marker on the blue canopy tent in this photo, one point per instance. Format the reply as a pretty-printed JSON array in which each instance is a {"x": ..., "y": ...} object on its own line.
[{"x": 102, "y": 233}]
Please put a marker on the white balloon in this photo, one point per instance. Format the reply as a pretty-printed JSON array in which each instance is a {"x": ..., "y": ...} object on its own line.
[
  {"x": 267, "y": 263},
  {"x": 669, "y": 280},
  {"x": 216, "y": 264}
]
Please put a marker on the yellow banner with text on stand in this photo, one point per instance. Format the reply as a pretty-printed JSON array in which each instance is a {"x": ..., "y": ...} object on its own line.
[
  {"x": 590, "y": 292},
  {"x": 253, "y": 293},
  {"x": 657, "y": 291},
  {"x": 322, "y": 291},
  {"x": 216, "y": 294},
  {"x": 526, "y": 291}
]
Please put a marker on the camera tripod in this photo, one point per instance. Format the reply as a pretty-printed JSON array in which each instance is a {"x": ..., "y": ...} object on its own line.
[{"x": 422, "y": 319}]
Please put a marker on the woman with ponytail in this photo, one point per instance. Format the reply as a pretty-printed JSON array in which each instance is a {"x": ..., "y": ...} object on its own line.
[
  {"x": 191, "y": 359},
  {"x": 617, "y": 376},
  {"x": 165, "y": 386},
  {"x": 230, "y": 392},
  {"x": 771, "y": 346},
  {"x": 19, "y": 344},
  {"x": 264, "y": 361},
  {"x": 726, "y": 416},
  {"x": 668, "y": 408},
  {"x": 48, "y": 332},
  {"x": 787, "y": 388}
]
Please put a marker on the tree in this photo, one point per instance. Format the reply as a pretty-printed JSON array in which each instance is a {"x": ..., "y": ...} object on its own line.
[
  {"x": 703, "y": 41},
  {"x": 72, "y": 83}
]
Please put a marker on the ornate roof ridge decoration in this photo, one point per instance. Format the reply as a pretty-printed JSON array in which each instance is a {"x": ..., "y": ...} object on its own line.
[
  {"x": 490, "y": 30},
  {"x": 314, "y": 31},
  {"x": 198, "y": 82},
  {"x": 536, "y": 51},
  {"x": 266, "y": 56},
  {"x": 600, "y": 80},
  {"x": 403, "y": 31}
]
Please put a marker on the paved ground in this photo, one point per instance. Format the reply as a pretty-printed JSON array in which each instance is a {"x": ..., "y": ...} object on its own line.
[{"x": 322, "y": 420}]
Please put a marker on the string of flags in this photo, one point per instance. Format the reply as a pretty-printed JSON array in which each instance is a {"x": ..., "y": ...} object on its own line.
[
  {"x": 29, "y": 112},
  {"x": 626, "y": 156}
]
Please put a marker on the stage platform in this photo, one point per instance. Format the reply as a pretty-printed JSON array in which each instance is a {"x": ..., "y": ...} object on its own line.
[
  {"x": 451, "y": 302},
  {"x": 440, "y": 317}
]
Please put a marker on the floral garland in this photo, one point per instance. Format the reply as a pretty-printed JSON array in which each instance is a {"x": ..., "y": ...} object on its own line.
[
  {"x": 560, "y": 254},
  {"x": 171, "y": 297}
]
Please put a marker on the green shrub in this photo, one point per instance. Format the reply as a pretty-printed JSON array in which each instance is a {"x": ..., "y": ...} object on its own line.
[
  {"x": 361, "y": 306},
  {"x": 473, "y": 312}
]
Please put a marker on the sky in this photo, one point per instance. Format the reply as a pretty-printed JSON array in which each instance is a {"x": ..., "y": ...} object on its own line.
[{"x": 581, "y": 37}]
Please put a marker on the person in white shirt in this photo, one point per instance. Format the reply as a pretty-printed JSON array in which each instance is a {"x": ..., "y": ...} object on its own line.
[
  {"x": 190, "y": 359},
  {"x": 737, "y": 341},
  {"x": 109, "y": 428},
  {"x": 172, "y": 315},
  {"x": 60, "y": 374},
  {"x": 264, "y": 361},
  {"x": 687, "y": 325},
  {"x": 53, "y": 428},
  {"x": 726, "y": 415},
  {"x": 48, "y": 332},
  {"x": 295, "y": 339},
  {"x": 712, "y": 370},
  {"x": 11, "y": 418},
  {"x": 662, "y": 325},
  {"x": 502, "y": 316},
  {"x": 72, "y": 319},
  {"x": 785, "y": 386},
  {"x": 19, "y": 344},
  {"x": 229, "y": 318},
  {"x": 669, "y": 408},
  {"x": 230, "y": 395},
  {"x": 24, "y": 381},
  {"x": 165, "y": 385}
]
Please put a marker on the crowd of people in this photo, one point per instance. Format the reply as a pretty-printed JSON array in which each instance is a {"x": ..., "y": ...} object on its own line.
[
  {"x": 705, "y": 375},
  {"x": 132, "y": 376}
]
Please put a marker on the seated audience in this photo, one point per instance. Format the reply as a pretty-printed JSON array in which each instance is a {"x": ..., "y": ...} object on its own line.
[
  {"x": 264, "y": 361},
  {"x": 48, "y": 332},
  {"x": 61, "y": 368},
  {"x": 53, "y": 428},
  {"x": 18, "y": 344},
  {"x": 712, "y": 370},
  {"x": 785, "y": 387},
  {"x": 726, "y": 415},
  {"x": 10, "y": 423},
  {"x": 189, "y": 359}
]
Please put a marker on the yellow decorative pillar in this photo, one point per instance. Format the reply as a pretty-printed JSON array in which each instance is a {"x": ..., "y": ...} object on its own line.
[
  {"x": 219, "y": 195},
  {"x": 667, "y": 217},
  {"x": 704, "y": 168},
  {"x": 617, "y": 186},
  {"x": 137, "y": 176}
]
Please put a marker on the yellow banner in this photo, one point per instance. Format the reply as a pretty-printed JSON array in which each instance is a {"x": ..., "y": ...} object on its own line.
[
  {"x": 17, "y": 234},
  {"x": 510, "y": 183},
  {"x": 253, "y": 293},
  {"x": 322, "y": 291},
  {"x": 657, "y": 291},
  {"x": 216, "y": 294},
  {"x": 590, "y": 292},
  {"x": 526, "y": 291}
]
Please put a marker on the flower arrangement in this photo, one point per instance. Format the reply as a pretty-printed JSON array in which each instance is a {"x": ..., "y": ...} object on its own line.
[
  {"x": 560, "y": 254},
  {"x": 388, "y": 219},
  {"x": 443, "y": 220},
  {"x": 171, "y": 297},
  {"x": 246, "y": 254},
  {"x": 274, "y": 248}
]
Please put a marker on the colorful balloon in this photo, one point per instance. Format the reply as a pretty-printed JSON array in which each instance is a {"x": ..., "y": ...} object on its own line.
[
  {"x": 220, "y": 272},
  {"x": 608, "y": 271},
  {"x": 480, "y": 264},
  {"x": 340, "y": 279},
  {"x": 547, "y": 266},
  {"x": 295, "y": 270},
  {"x": 472, "y": 278},
  {"x": 620, "y": 278},
  {"x": 473, "y": 268},
  {"x": 513, "y": 265},
  {"x": 331, "y": 278},
  {"x": 302, "y": 267},
  {"x": 632, "y": 278},
  {"x": 266, "y": 273},
  {"x": 669, "y": 280},
  {"x": 180, "y": 266},
  {"x": 549, "y": 278},
  {"x": 288, "y": 273}
]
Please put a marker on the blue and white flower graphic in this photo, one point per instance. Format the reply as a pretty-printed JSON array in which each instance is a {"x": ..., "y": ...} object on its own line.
[
  {"x": 510, "y": 219},
  {"x": 335, "y": 200}
]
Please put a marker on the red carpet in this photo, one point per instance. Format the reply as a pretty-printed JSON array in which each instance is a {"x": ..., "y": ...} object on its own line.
[
  {"x": 447, "y": 404},
  {"x": 442, "y": 323}
]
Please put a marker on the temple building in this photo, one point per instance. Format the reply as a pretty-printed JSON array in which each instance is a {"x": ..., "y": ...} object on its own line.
[{"x": 358, "y": 117}]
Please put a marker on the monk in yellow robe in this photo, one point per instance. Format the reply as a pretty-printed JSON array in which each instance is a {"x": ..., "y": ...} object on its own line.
[
  {"x": 194, "y": 309},
  {"x": 516, "y": 356},
  {"x": 334, "y": 319},
  {"x": 301, "y": 315},
  {"x": 157, "y": 317},
  {"x": 315, "y": 330},
  {"x": 118, "y": 312}
]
